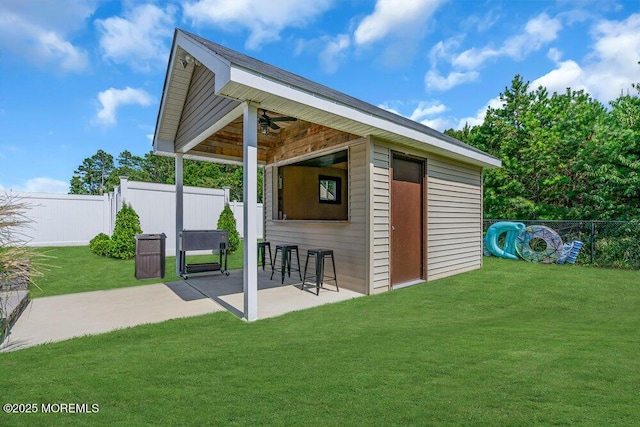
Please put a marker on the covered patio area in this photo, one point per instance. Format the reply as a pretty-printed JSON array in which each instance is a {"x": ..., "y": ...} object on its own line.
[{"x": 275, "y": 297}]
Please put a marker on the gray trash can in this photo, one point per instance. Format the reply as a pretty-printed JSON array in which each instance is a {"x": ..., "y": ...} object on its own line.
[{"x": 150, "y": 256}]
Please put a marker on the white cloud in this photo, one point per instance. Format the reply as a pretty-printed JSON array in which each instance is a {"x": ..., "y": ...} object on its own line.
[
  {"x": 425, "y": 109},
  {"x": 421, "y": 113},
  {"x": 473, "y": 58},
  {"x": 611, "y": 66},
  {"x": 538, "y": 32},
  {"x": 554, "y": 54},
  {"x": 40, "y": 184},
  {"x": 38, "y": 31},
  {"x": 481, "y": 23},
  {"x": 433, "y": 80},
  {"x": 139, "y": 38},
  {"x": 391, "y": 17},
  {"x": 439, "y": 123},
  {"x": 444, "y": 50},
  {"x": 111, "y": 99},
  {"x": 333, "y": 52},
  {"x": 264, "y": 19},
  {"x": 45, "y": 185},
  {"x": 478, "y": 119},
  {"x": 568, "y": 74},
  {"x": 614, "y": 62}
]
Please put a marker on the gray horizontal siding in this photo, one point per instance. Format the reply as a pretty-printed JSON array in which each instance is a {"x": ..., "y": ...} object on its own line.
[
  {"x": 381, "y": 219},
  {"x": 454, "y": 217},
  {"x": 201, "y": 109}
]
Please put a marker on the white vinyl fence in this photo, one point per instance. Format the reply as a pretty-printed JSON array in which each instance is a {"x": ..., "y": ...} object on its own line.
[
  {"x": 64, "y": 219},
  {"x": 73, "y": 220}
]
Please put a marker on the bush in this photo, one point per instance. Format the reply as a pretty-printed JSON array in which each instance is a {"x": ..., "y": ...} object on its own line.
[
  {"x": 100, "y": 244},
  {"x": 618, "y": 252},
  {"x": 228, "y": 222},
  {"x": 123, "y": 241}
]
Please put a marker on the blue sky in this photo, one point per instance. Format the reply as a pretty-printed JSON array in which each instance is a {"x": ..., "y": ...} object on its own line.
[{"x": 81, "y": 75}]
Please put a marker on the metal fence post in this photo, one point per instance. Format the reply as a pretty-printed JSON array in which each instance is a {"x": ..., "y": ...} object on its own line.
[{"x": 593, "y": 241}]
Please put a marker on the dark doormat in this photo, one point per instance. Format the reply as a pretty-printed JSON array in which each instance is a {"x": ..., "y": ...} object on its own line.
[{"x": 185, "y": 291}]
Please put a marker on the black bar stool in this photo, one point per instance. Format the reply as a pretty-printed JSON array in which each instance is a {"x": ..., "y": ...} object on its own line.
[
  {"x": 319, "y": 255},
  {"x": 285, "y": 260},
  {"x": 262, "y": 252}
]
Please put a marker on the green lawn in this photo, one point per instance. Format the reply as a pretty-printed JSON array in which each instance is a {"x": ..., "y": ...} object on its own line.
[
  {"x": 511, "y": 344},
  {"x": 75, "y": 269}
]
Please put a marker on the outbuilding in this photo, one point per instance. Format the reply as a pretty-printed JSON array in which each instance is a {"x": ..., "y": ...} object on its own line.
[{"x": 399, "y": 203}]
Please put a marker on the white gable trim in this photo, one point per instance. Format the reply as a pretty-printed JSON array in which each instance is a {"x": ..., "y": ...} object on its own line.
[{"x": 220, "y": 67}]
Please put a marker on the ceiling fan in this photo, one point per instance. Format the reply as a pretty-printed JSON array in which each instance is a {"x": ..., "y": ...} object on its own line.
[{"x": 265, "y": 122}]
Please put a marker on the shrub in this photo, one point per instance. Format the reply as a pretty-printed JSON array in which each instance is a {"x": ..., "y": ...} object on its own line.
[
  {"x": 123, "y": 240},
  {"x": 100, "y": 244},
  {"x": 228, "y": 222},
  {"x": 618, "y": 252}
]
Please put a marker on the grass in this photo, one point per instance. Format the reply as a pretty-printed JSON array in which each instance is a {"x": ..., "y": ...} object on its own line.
[
  {"x": 511, "y": 344},
  {"x": 75, "y": 269}
]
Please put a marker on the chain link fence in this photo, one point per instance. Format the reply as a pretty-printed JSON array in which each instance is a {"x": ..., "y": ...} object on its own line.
[{"x": 613, "y": 244}]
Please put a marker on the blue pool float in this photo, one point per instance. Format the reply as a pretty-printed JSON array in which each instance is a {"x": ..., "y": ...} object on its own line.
[{"x": 493, "y": 235}]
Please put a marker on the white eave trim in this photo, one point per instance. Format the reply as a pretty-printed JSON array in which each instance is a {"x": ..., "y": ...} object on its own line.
[
  {"x": 163, "y": 146},
  {"x": 251, "y": 80}
]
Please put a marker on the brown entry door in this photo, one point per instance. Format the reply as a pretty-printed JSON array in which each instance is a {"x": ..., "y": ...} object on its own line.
[{"x": 406, "y": 221}]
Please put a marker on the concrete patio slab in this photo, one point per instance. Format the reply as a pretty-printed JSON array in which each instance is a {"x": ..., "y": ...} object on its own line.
[{"x": 62, "y": 317}]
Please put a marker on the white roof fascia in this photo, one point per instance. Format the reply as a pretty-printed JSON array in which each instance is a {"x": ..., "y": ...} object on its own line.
[
  {"x": 159, "y": 145},
  {"x": 251, "y": 80},
  {"x": 219, "y": 125},
  {"x": 220, "y": 67}
]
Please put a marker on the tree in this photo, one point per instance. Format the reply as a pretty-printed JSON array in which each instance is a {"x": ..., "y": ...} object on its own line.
[
  {"x": 98, "y": 174},
  {"x": 543, "y": 143},
  {"x": 227, "y": 221},
  {"x": 91, "y": 175},
  {"x": 159, "y": 169},
  {"x": 123, "y": 242},
  {"x": 130, "y": 166},
  {"x": 615, "y": 167}
]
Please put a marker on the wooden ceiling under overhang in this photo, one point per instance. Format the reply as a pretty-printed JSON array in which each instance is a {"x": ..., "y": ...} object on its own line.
[{"x": 294, "y": 138}]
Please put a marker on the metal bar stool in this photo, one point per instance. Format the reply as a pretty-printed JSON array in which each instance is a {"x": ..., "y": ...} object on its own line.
[
  {"x": 262, "y": 252},
  {"x": 319, "y": 255},
  {"x": 285, "y": 260}
]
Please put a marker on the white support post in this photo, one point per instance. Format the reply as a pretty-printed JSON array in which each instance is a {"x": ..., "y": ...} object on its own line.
[
  {"x": 250, "y": 193},
  {"x": 179, "y": 208}
]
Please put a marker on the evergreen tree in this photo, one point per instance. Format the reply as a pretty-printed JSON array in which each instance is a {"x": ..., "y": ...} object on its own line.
[
  {"x": 228, "y": 222},
  {"x": 91, "y": 175},
  {"x": 123, "y": 242}
]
